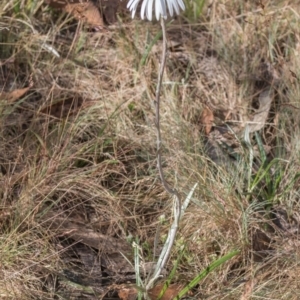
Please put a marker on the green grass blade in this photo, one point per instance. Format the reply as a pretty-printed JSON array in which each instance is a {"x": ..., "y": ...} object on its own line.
[{"x": 204, "y": 273}]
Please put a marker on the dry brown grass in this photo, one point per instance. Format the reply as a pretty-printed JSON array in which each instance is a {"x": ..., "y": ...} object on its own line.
[{"x": 80, "y": 146}]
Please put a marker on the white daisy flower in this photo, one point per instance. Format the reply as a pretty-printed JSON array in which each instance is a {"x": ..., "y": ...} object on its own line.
[{"x": 160, "y": 7}]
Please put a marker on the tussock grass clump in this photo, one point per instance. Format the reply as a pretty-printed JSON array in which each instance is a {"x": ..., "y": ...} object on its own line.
[{"x": 78, "y": 177}]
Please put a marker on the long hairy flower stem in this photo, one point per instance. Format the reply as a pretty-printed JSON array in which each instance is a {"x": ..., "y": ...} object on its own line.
[
  {"x": 167, "y": 187},
  {"x": 172, "y": 191}
]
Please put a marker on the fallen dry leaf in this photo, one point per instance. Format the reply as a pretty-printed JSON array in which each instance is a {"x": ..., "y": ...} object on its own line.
[
  {"x": 76, "y": 230},
  {"x": 85, "y": 11},
  {"x": 207, "y": 119},
  {"x": 170, "y": 293},
  {"x": 14, "y": 95},
  {"x": 127, "y": 293},
  {"x": 62, "y": 109},
  {"x": 261, "y": 115}
]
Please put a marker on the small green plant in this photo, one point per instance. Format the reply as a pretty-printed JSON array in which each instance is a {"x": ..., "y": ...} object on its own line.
[{"x": 265, "y": 183}]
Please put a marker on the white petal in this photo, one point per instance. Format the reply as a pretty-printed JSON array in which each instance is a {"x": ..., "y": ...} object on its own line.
[
  {"x": 143, "y": 9},
  {"x": 157, "y": 9},
  {"x": 170, "y": 6},
  {"x": 160, "y": 9},
  {"x": 129, "y": 4},
  {"x": 176, "y": 5},
  {"x": 132, "y": 5},
  {"x": 160, "y": 6},
  {"x": 149, "y": 9},
  {"x": 164, "y": 9},
  {"x": 181, "y": 4}
]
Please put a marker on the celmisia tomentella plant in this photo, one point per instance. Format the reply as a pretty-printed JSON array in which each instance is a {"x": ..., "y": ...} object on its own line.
[{"x": 161, "y": 8}]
